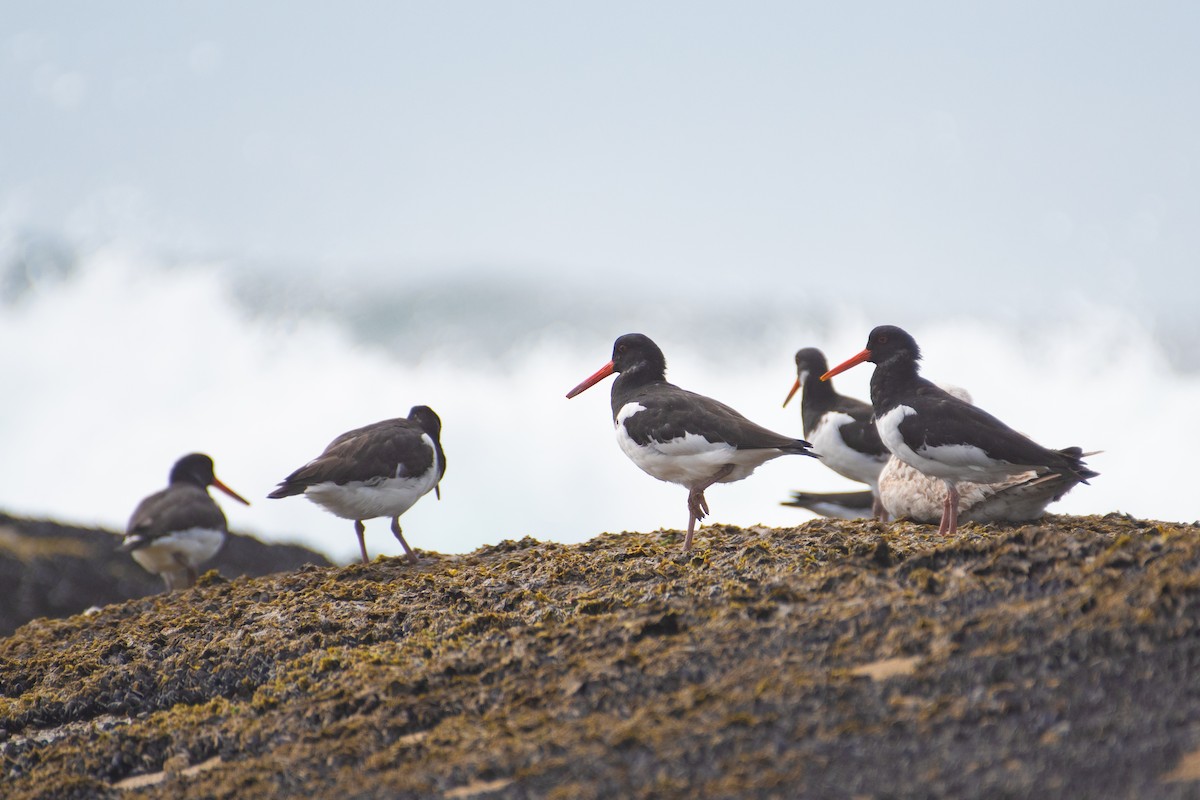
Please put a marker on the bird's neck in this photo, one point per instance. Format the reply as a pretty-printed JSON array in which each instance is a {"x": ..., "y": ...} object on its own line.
[
  {"x": 890, "y": 382},
  {"x": 818, "y": 398},
  {"x": 631, "y": 382}
]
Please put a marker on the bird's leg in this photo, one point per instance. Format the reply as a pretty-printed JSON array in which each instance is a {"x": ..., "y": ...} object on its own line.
[
  {"x": 361, "y": 529},
  {"x": 192, "y": 576},
  {"x": 945, "y": 523},
  {"x": 412, "y": 556},
  {"x": 698, "y": 506},
  {"x": 952, "y": 500}
]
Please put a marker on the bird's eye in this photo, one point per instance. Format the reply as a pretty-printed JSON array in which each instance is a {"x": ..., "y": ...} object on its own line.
[{"x": 883, "y": 339}]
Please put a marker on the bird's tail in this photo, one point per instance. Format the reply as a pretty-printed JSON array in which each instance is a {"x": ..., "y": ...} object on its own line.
[
  {"x": 799, "y": 447},
  {"x": 286, "y": 489},
  {"x": 1075, "y": 468}
]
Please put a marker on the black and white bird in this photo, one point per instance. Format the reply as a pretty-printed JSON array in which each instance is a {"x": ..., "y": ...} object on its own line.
[
  {"x": 679, "y": 436},
  {"x": 911, "y": 495},
  {"x": 175, "y": 530},
  {"x": 841, "y": 429},
  {"x": 379, "y": 470},
  {"x": 941, "y": 436}
]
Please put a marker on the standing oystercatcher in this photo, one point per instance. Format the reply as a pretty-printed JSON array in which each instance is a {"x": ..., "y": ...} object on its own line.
[
  {"x": 379, "y": 470},
  {"x": 941, "y": 436},
  {"x": 175, "y": 530},
  {"x": 679, "y": 436},
  {"x": 840, "y": 428}
]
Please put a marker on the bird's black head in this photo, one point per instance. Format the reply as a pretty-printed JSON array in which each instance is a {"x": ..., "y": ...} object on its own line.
[
  {"x": 637, "y": 359},
  {"x": 810, "y": 360},
  {"x": 427, "y": 420},
  {"x": 810, "y": 363},
  {"x": 197, "y": 468},
  {"x": 887, "y": 342},
  {"x": 194, "y": 468},
  {"x": 636, "y": 351}
]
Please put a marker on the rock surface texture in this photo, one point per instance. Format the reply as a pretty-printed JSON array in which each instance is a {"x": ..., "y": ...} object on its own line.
[{"x": 835, "y": 659}]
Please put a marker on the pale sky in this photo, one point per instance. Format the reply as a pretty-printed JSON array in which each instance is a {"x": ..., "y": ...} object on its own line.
[{"x": 1008, "y": 152}]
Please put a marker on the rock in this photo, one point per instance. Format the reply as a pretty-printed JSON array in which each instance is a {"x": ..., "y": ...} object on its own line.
[
  {"x": 53, "y": 570},
  {"x": 1053, "y": 660}
]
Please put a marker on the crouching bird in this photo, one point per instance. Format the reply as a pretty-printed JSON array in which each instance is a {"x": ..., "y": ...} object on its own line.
[
  {"x": 379, "y": 470},
  {"x": 680, "y": 436}
]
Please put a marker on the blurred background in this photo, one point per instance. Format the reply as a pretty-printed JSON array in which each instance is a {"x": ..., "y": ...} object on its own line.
[{"x": 245, "y": 228}]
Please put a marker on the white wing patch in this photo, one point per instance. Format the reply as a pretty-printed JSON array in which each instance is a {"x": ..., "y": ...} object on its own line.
[
  {"x": 690, "y": 460},
  {"x": 955, "y": 462},
  {"x": 376, "y": 497},
  {"x": 168, "y": 553},
  {"x": 827, "y": 442}
]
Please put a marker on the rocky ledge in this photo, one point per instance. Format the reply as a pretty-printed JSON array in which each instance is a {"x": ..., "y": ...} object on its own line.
[{"x": 834, "y": 659}]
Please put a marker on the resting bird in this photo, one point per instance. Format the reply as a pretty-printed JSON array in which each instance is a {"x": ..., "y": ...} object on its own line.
[
  {"x": 175, "y": 530},
  {"x": 840, "y": 428},
  {"x": 943, "y": 437},
  {"x": 679, "y": 436},
  {"x": 379, "y": 470}
]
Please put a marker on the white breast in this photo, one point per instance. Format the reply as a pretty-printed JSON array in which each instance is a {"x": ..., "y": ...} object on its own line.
[
  {"x": 690, "y": 460},
  {"x": 187, "y": 548},
  {"x": 827, "y": 442},
  {"x": 953, "y": 462},
  {"x": 380, "y": 497}
]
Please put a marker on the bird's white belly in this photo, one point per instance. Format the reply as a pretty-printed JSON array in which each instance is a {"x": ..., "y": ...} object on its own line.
[
  {"x": 828, "y": 443},
  {"x": 952, "y": 462},
  {"x": 388, "y": 497},
  {"x": 689, "y": 460},
  {"x": 187, "y": 548}
]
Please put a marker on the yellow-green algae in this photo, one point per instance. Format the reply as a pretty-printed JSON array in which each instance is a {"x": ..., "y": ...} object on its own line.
[{"x": 1052, "y": 659}]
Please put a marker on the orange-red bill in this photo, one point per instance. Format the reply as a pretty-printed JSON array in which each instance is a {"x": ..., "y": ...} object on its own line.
[
  {"x": 229, "y": 491},
  {"x": 600, "y": 375},
  {"x": 853, "y": 361},
  {"x": 792, "y": 393}
]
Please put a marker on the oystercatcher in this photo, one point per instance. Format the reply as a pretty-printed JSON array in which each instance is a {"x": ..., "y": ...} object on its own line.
[
  {"x": 941, "y": 436},
  {"x": 379, "y": 470},
  {"x": 840, "y": 428},
  {"x": 908, "y": 494},
  {"x": 175, "y": 530},
  {"x": 679, "y": 436}
]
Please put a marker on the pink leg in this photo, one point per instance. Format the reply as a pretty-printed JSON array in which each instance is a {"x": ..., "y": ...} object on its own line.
[
  {"x": 945, "y": 523},
  {"x": 952, "y": 499},
  {"x": 698, "y": 506},
  {"x": 949, "y": 510}
]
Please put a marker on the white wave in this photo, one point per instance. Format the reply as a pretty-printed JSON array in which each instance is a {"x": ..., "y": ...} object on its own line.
[{"x": 118, "y": 368}]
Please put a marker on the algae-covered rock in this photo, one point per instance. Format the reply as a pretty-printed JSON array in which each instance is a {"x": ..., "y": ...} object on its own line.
[{"x": 835, "y": 659}]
